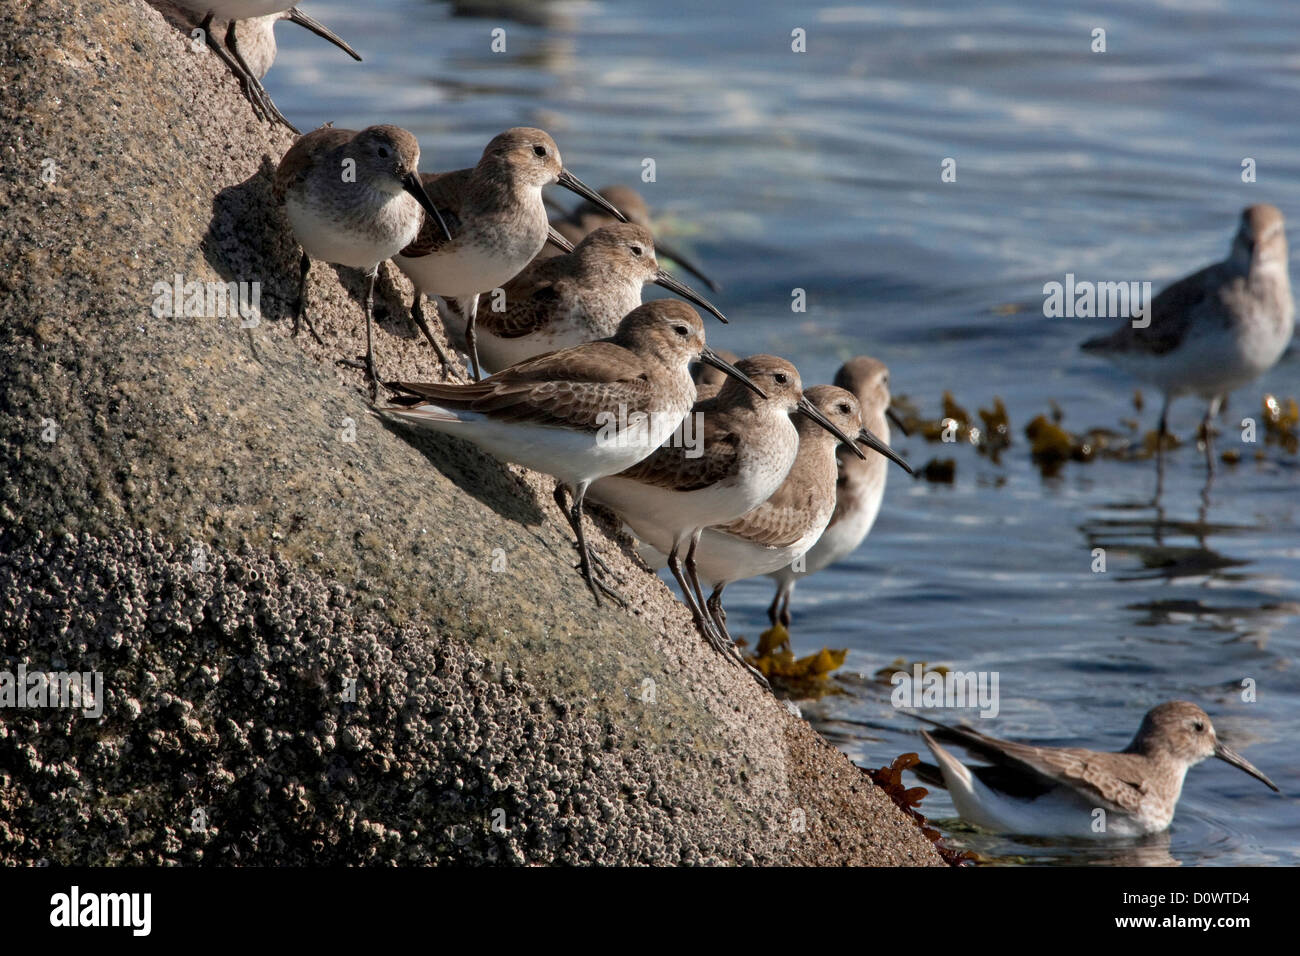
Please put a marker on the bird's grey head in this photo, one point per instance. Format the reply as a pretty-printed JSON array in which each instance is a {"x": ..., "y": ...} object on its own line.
[
  {"x": 525, "y": 155},
  {"x": 1261, "y": 238},
  {"x": 1180, "y": 731},
  {"x": 387, "y": 157},
  {"x": 868, "y": 379},
  {"x": 623, "y": 248}
]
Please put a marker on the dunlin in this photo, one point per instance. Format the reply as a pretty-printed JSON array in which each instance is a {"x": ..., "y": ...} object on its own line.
[
  {"x": 1217, "y": 329},
  {"x": 740, "y": 450},
  {"x": 253, "y": 59},
  {"x": 571, "y": 299},
  {"x": 588, "y": 217},
  {"x": 859, "y": 490},
  {"x": 1056, "y": 791},
  {"x": 353, "y": 199},
  {"x": 791, "y": 520},
  {"x": 497, "y": 219},
  {"x": 581, "y": 413}
]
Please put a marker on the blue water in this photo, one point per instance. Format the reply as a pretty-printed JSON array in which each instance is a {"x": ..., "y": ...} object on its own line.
[{"x": 821, "y": 171}]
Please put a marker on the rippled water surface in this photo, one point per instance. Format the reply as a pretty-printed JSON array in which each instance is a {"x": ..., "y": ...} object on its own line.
[{"x": 821, "y": 171}]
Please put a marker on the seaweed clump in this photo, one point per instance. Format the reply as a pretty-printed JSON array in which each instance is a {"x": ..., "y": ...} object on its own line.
[
  {"x": 803, "y": 678},
  {"x": 908, "y": 799}
]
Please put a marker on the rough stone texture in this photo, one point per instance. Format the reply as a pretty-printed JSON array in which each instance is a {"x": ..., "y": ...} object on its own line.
[{"x": 202, "y": 531}]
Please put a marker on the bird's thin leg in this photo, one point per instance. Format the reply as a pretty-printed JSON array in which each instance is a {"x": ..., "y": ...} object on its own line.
[
  {"x": 785, "y": 607},
  {"x": 719, "y": 615},
  {"x": 775, "y": 605},
  {"x": 300, "y": 316},
  {"x": 1211, "y": 412},
  {"x": 584, "y": 552},
  {"x": 417, "y": 313},
  {"x": 368, "y": 364},
  {"x": 688, "y": 596},
  {"x": 471, "y": 313},
  {"x": 693, "y": 570},
  {"x": 252, "y": 85}
]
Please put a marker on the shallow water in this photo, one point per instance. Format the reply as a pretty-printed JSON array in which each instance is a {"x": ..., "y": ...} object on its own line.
[{"x": 821, "y": 171}]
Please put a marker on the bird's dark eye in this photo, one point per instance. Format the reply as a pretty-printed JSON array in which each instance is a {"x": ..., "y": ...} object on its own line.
[
  {"x": 681, "y": 330},
  {"x": 539, "y": 150},
  {"x": 637, "y": 251},
  {"x": 781, "y": 378},
  {"x": 1200, "y": 726},
  {"x": 844, "y": 409}
]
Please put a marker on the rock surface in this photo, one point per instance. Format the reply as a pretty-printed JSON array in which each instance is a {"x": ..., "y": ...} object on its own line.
[{"x": 322, "y": 640}]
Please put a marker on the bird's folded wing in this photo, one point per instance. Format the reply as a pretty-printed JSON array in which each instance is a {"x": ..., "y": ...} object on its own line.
[
  {"x": 778, "y": 522},
  {"x": 1116, "y": 786},
  {"x": 298, "y": 161},
  {"x": 1173, "y": 311},
  {"x": 532, "y": 302},
  {"x": 447, "y": 192},
  {"x": 670, "y": 466},
  {"x": 589, "y": 387}
]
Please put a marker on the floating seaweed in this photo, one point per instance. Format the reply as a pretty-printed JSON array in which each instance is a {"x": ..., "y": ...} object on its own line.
[
  {"x": 1280, "y": 423},
  {"x": 908, "y": 799},
  {"x": 803, "y": 678}
]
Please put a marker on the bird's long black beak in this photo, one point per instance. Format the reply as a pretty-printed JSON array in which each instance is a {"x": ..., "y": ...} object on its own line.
[
  {"x": 318, "y": 28},
  {"x": 574, "y": 184},
  {"x": 813, "y": 412},
  {"x": 557, "y": 239},
  {"x": 411, "y": 183},
  {"x": 686, "y": 292},
  {"x": 898, "y": 422},
  {"x": 875, "y": 444},
  {"x": 1228, "y": 755},
  {"x": 687, "y": 264},
  {"x": 709, "y": 357}
]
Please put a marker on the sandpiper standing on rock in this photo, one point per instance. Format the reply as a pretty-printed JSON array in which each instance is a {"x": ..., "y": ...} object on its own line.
[
  {"x": 739, "y": 455},
  {"x": 353, "y": 199},
  {"x": 581, "y": 413},
  {"x": 237, "y": 58},
  {"x": 588, "y": 217},
  {"x": 575, "y": 298},
  {"x": 1217, "y": 329},
  {"x": 859, "y": 490},
  {"x": 497, "y": 223},
  {"x": 1056, "y": 791},
  {"x": 791, "y": 520}
]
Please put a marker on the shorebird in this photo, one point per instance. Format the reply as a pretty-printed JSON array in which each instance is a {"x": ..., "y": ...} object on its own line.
[
  {"x": 353, "y": 199},
  {"x": 859, "y": 489},
  {"x": 739, "y": 453},
  {"x": 1217, "y": 329},
  {"x": 580, "y": 297},
  {"x": 252, "y": 61},
  {"x": 587, "y": 217},
  {"x": 497, "y": 221},
  {"x": 581, "y": 413},
  {"x": 790, "y": 521},
  {"x": 1056, "y": 791}
]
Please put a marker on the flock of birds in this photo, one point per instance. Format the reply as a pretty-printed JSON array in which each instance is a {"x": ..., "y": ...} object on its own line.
[{"x": 721, "y": 468}]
